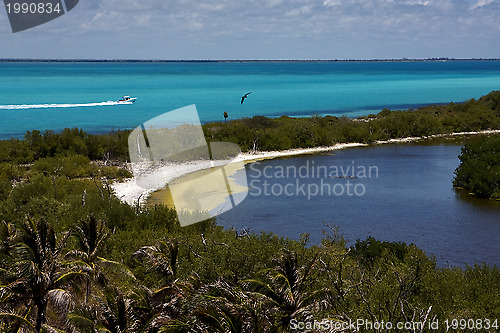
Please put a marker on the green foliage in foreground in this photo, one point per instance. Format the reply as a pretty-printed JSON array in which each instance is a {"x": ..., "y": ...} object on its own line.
[
  {"x": 204, "y": 280},
  {"x": 76, "y": 259},
  {"x": 479, "y": 170}
]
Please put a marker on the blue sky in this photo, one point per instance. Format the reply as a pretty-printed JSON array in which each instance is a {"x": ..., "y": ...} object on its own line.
[{"x": 262, "y": 29}]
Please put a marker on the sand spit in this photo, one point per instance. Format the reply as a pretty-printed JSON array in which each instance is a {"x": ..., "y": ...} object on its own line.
[{"x": 133, "y": 193}]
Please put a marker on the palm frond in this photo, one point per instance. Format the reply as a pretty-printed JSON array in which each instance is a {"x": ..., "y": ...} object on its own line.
[
  {"x": 262, "y": 288},
  {"x": 117, "y": 266},
  {"x": 18, "y": 318},
  {"x": 68, "y": 277},
  {"x": 50, "y": 329},
  {"x": 176, "y": 326},
  {"x": 82, "y": 321},
  {"x": 61, "y": 298}
]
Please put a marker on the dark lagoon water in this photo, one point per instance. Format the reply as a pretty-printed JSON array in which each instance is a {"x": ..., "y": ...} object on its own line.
[{"x": 410, "y": 199}]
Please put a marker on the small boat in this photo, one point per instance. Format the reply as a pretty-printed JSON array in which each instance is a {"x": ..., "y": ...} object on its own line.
[{"x": 127, "y": 99}]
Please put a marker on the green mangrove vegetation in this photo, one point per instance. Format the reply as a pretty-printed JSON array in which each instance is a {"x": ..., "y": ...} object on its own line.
[
  {"x": 479, "y": 170},
  {"x": 74, "y": 258},
  {"x": 261, "y": 133}
]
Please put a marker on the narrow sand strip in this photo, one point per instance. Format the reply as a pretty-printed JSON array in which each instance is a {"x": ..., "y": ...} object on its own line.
[{"x": 132, "y": 193}]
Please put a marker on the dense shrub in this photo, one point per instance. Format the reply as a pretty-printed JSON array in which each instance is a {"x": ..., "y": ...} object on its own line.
[
  {"x": 479, "y": 170},
  {"x": 261, "y": 133}
]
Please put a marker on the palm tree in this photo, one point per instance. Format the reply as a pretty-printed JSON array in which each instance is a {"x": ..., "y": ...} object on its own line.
[
  {"x": 286, "y": 291},
  {"x": 220, "y": 308},
  {"x": 32, "y": 267},
  {"x": 146, "y": 312},
  {"x": 217, "y": 307},
  {"x": 163, "y": 307},
  {"x": 111, "y": 313},
  {"x": 162, "y": 258},
  {"x": 13, "y": 311},
  {"x": 90, "y": 238}
]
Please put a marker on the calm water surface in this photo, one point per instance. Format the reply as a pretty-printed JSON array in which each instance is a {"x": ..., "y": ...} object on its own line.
[{"x": 411, "y": 200}]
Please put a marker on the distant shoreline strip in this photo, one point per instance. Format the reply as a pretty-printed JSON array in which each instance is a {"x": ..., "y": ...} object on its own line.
[{"x": 243, "y": 60}]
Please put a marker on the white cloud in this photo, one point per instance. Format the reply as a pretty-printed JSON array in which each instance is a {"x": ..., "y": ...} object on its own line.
[
  {"x": 481, "y": 3},
  {"x": 418, "y": 3},
  {"x": 332, "y": 3}
]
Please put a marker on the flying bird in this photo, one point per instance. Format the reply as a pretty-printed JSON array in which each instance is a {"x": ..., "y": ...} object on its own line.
[{"x": 244, "y": 97}]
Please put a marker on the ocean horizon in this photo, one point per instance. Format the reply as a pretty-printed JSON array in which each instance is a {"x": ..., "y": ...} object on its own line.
[{"x": 241, "y": 60}]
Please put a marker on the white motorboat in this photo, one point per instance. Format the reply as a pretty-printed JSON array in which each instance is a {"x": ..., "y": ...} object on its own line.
[{"x": 127, "y": 99}]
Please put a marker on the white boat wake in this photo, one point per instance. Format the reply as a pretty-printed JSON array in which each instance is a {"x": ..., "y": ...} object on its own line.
[{"x": 52, "y": 106}]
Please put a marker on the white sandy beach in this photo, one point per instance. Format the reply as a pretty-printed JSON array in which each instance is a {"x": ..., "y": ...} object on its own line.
[{"x": 133, "y": 193}]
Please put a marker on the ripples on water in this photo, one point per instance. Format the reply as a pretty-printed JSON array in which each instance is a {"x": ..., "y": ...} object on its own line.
[{"x": 412, "y": 200}]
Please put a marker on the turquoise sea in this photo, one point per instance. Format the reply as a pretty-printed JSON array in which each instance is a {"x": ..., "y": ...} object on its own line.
[{"x": 278, "y": 88}]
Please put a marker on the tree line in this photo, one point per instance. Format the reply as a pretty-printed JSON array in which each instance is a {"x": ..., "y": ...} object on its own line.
[{"x": 263, "y": 133}]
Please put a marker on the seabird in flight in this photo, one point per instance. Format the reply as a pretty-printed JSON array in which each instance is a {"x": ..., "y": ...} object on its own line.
[{"x": 245, "y": 96}]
